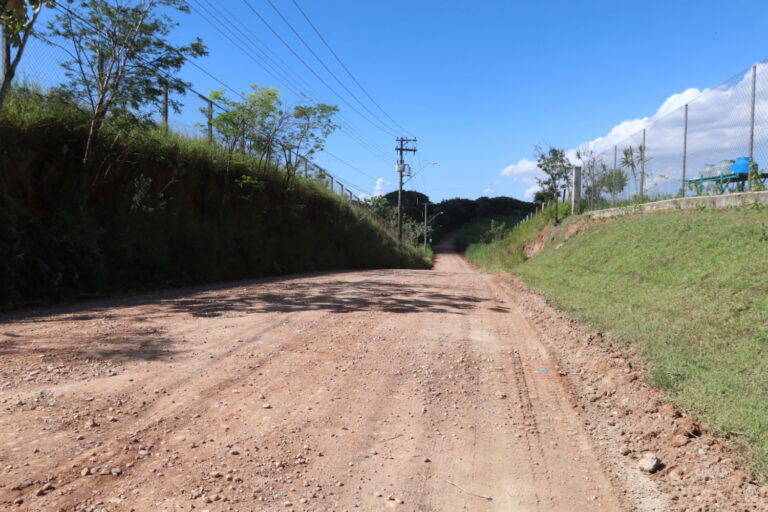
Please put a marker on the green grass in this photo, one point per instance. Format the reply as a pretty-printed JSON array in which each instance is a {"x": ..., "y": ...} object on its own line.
[
  {"x": 504, "y": 252},
  {"x": 156, "y": 209},
  {"x": 687, "y": 293},
  {"x": 484, "y": 229}
]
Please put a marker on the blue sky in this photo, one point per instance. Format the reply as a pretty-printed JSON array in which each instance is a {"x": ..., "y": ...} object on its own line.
[{"x": 479, "y": 83}]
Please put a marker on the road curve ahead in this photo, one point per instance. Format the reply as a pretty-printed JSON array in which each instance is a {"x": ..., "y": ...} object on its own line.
[{"x": 410, "y": 390}]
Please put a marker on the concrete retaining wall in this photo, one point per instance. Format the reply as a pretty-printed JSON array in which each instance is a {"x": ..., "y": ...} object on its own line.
[{"x": 687, "y": 203}]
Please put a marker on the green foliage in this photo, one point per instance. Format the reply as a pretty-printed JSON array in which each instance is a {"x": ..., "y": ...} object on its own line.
[
  {"x": 614, "y": 183},
  {"x": 159, "y": 210},
  {"x": 413, "y": 228},
  {"x": 556, "y": 166},
  {"x": 485, "y": 230},
  {"x": 119, "y": 55},
  {"x": 506, "y": 251},
  {"x": 16, "y": 26},
  {"x": 680, "y": 289},
  {"x": 458, "y": 212}
]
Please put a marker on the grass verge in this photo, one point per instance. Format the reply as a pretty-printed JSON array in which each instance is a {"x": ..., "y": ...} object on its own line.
[{"x": 686, "y": 291}]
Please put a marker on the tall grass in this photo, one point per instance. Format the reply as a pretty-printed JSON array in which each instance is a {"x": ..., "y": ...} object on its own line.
[{"x": 157, "y": 209}]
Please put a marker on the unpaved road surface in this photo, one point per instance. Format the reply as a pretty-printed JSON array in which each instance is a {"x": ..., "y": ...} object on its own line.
[{"x": 396, "y": 389}]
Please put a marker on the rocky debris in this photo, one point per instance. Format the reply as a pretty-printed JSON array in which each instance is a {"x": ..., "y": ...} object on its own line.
[{"x": 649, "y": 463}]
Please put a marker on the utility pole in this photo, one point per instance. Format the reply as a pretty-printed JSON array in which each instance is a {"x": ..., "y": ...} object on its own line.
[
  {"x": 426, "y": 204},
  {"x": 209, "y": 117},
  {"x": 402, "y": 148},
  {"x": 164, "y": 84}
]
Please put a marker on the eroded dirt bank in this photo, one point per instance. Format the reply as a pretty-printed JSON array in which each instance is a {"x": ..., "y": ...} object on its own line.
[{"x": 412, "y": 390}]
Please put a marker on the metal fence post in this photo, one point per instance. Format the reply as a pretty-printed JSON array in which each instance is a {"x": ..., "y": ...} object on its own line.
[
  {"x": 642, "y": 169},
  {"x": 752, "y": 113},
  {"x": 685, "y": 151}
]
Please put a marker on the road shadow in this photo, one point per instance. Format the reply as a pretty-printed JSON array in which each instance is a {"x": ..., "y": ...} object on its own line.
[
  {"x": 336, "y": 296},
  {"x": 115, "y": 348}
]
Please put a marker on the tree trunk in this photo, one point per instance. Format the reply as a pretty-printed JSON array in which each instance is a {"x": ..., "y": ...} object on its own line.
[{"x": 93, "y": 133}]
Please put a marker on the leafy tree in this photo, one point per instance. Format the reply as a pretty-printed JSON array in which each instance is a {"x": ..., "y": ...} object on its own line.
[
  {"x": 593, "y": 171},
  {"x": 641, "y": 158},
  {"x": 543, "y": 197},
  {"x": 246, "y": 125},
  {"x": 117, "y": 50},
  {"x": 628, "y": 162},
  {"x": 17, "y": 21},
  {"x": 614, "y": 182},
  {"x": 556, "y": 166},
  {"x": 305, "y": 132},
  {"x": 413, "y": 203}
]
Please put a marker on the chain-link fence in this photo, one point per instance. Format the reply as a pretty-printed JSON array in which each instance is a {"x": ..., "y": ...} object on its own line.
[{"x": 697, "y": 143}]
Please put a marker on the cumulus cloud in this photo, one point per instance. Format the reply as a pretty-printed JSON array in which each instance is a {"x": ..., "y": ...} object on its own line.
[
  {"x": 488, "y": 191},
  {"x": 378, "y": 189},
  {"x": 718, "y": 129}
]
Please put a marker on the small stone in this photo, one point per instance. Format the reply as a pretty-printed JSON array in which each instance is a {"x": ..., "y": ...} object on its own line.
[
  {"x": 287, "y": 504},
  {"x": 85, "y": 472},
  {"x": 18, "y": 501},
  {"x": 92, "y": 423},
  {"x": 427, "y": 459},
  {"x": 649, "y": 463},
  {"x": 624, "y": 450},
  {"x": 266, "y": 406},
  {"x": 116, "y": 471},
  {"x": 501, "y": 395}
]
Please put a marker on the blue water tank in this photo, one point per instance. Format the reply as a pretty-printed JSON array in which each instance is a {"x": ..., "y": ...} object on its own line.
[{"x": 741, "y": 166}]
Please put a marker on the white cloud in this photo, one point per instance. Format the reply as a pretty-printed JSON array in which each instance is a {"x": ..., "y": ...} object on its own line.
[
  {"x": 530, "y": 191},
  {"x": 488, "y": 191},
  {"x": 378, "y": 189},
  {"x": 718, "y": 129}
]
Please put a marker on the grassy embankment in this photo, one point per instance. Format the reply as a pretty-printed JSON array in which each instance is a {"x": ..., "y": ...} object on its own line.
[
  {"x": 686, "y": 291},
  {"x": 156, "y": 209}
]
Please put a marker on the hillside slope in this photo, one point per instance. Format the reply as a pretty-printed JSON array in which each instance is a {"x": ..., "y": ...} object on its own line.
[
  {"x": 154, "y": 210},
  {"x": 686, "y": 292}
]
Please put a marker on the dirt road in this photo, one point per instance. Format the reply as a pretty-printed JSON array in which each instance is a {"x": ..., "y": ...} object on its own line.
[{"x": 410, "y": 390}]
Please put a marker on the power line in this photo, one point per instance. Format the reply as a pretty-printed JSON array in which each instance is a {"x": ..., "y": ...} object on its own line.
[
  {"x": 311, "y": 70},
  {"x": 345, "y": 67},
  {"x": 167, "y": 76},
  {"x": 281, "y": 75},
  {"x": 317, "y": 57}
]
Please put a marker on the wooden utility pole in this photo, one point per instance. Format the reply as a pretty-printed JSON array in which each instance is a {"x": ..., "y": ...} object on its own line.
[{"x": 401, "y": 150}]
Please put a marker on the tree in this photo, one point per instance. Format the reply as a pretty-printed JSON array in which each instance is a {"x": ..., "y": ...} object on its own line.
[
  {"x": 641, "y": 159},
  {"x": 593, "y": 171},
  {"x": 117, "y": 50},
  {"x": 614, "y": 182},
  {"x": 305, "y": 132},
  {"x": 556, "y": 166},
  {"x": 248, "y": 124},
  {"x": 628, "y": 162},
  {"x": 16, "y": 26}
]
